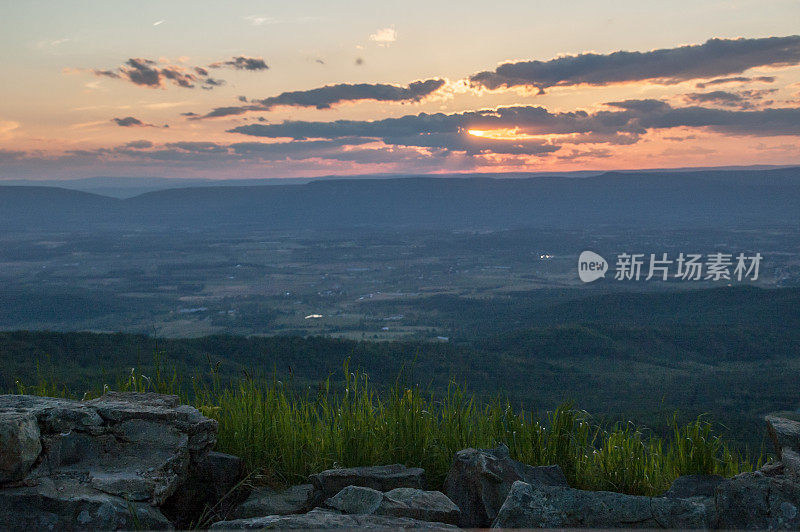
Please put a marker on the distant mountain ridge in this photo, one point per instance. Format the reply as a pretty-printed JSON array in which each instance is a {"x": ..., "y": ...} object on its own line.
[
  {"x": 711, "y": 198},
  {"x": 128, "y": 187}
]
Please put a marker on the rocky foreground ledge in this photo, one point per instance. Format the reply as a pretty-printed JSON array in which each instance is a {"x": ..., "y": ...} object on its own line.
[{"x": 139, "y": 460}]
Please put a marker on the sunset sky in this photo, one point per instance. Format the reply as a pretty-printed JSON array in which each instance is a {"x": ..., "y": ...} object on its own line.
[{"x": 287, "y": 89}]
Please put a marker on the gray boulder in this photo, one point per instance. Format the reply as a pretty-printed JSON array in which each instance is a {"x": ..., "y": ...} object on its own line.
[
  {"x": 19, "y": 441},
  {"x": 266, "y": 501},
  {"x": 757, "y": 501},
  {"x": 558, "y": 507},
  {"x": 399, "y": 502},
  {"x": 327, "y": 519},
  {"x": 357, "y": 500},
  {"x": 479, "y": 481},
  {"x": 381, "y": 478},
  {"x": 425, "y": 505},
  {"x": 106, "y": 454},
  {"x": 689, "y": 486},
  {"x": 783, "y": 432}
]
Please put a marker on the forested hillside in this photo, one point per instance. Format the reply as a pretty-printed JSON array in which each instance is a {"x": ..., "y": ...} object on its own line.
[{"x": 724, "y": 352}]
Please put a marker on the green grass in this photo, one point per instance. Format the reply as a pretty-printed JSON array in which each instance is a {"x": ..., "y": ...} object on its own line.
[{"x": 284, "y": 433}]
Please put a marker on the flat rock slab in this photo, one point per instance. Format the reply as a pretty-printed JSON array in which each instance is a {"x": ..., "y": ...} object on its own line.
[
  {"x": 425, "y": 505},
  {"x": 557, "y": 507},
  {"x": 479, "y": 481},
  {"x": 318, "y": 519},
  {"x": 70, "y": 506},
  {"x": 266, "y": 501},
  {"x": 399, "y": 502},
  {"x": 381, "y": 478}
]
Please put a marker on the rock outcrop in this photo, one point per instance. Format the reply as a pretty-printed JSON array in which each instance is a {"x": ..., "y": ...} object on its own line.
[
  {"x": 479, "y": 481},
  {"x": 140, "y": 460},
  {"x": 557, "y": 507},
  {"x": 106, "y": 463}
]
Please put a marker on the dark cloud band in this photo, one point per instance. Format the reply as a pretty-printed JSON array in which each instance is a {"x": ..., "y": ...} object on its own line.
[
  {"x": 325, "y": 97},
  {"x": 715, "y": 57},
  {"x": 129, "y": 121},
  {"x": 242, "y": 63},
  {"x": 148, "y": 73},
  {"x": 623, "y": 122},
  {"x": 736, "y": 79},
  {"x": 743, "y": 99}
]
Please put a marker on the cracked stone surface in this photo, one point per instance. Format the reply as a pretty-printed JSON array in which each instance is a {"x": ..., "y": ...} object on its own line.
[
  {"x": 94, "y": 464},
  {"x": 558, "y": 507},
  {"x": 266, "y": 501},
  {"x": 318, "y": 519},
  {"x": 399, "y": 502},
  {"x": 757, "y": 501}
]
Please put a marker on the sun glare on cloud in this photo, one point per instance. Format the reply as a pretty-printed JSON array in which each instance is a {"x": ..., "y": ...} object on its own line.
[
  {"x": 503, "y": 134},
  {"x": 515, "y": 135}
]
